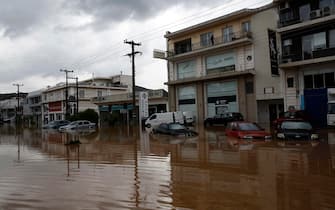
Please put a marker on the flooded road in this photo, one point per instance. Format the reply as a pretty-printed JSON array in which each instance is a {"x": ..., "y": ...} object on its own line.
[{"x": 41, "y": 170}]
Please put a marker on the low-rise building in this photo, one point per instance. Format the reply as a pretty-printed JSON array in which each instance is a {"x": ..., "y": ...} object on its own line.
[{"x": 79, "y": 96}]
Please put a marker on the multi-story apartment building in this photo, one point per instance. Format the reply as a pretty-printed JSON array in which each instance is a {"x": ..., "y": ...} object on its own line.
[
  {"x": 32, "y": 108},
  {"x": 224, "y": 65},
  {"x": 54, "y": 100},
  {"x": 307, "y": 31},
  {"x": 10, "y": 106}
]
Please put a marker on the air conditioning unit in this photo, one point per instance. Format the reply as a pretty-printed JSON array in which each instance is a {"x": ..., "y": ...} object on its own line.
[
  {"x": 326, "y": 11},
  {"x": 315, "y": 14}
]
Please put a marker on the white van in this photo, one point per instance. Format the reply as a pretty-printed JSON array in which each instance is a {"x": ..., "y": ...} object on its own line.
[
  {"x": 189, "y": 118},
  {"x": 166, "y": 117}
]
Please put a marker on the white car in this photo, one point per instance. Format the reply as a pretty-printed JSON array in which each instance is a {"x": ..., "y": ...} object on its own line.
[{"x": 78, "y": 125}]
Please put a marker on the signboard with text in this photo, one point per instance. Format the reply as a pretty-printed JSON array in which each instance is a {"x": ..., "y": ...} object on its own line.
[{"x": 144, "y": 104}]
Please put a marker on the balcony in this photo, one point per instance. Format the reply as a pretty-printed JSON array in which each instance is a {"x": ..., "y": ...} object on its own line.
[
  {"x": 317, "y": 56},
  {"x": 292, "y": 20},
  {"x": 125, "y": 97},
  {"x": 229, "y": 41}
]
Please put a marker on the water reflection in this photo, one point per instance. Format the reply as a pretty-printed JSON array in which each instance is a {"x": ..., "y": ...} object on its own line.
[{"x": 107, "y": 170}]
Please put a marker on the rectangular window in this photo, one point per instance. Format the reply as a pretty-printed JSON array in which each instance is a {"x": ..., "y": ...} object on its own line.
[
  {"x": 318, "y": 81},
  {"x": 332, "y": 38},
  {"x": 312, "y": 43},
  {"x": 228, "y": 34},
  {"x": 183, "y": 46},
  {"x": 290, "y": 82},
  {"x": 206, "y": 39},
  {"x": 99, "y": 93},
  {"x": 186, "y": 69},
  {"x": 249, "y": 87},
  {"x": 81, "y": 94},
  {"x": 246, "y": 26},
  {"x": 308, "y": 81},
  {"x": 220, "y": 63},
  {"x": 329, "y": 80},
  {"x": 304, "y": 12}
]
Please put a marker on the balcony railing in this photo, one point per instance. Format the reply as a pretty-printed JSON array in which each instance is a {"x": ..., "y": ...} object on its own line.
[
  {"x": 289, "y": 17},
  {"x": 226, "y": 39},
  {"x": 320, "y": 53}
]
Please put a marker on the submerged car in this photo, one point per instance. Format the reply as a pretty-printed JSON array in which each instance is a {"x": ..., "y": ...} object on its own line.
[
  {"x": 223, "y": 119},
  {"x": 246, "y": 130},
  {"x": 78, "y": 125},
  {"x": 174, "y": 129},
  {"x": 296, "y": 130},
  {"x": 56, "y": 124}
]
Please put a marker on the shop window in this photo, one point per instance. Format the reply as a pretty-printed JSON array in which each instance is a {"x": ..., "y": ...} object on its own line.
[
  {"x": 290, "y": 82},
  {"x": 220, "y": 63},
  {"x": 318, "y": 81},
  {"x": 308, "y": 81},
  {"x": 329, "y": 80}
]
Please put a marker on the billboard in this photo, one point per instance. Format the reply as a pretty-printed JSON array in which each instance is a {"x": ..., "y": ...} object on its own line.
[
  {"x": 143, "y": 104},
  {"x": 273, "y": 52}
]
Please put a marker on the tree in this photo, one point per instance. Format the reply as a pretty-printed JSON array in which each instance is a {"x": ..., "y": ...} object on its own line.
[{"x": 88, "y": 114}]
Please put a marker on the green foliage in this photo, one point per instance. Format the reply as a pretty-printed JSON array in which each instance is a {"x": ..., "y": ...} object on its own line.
[{"x": 88, "y": 114}]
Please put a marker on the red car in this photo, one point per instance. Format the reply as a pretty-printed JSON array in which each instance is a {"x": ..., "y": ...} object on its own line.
[{"x": 246, "y": 130}]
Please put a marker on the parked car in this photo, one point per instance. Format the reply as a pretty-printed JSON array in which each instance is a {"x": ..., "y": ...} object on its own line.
[
  {"x": 296, "y": 130},
  {"x": 290, "y": 115},
  {"x": 246, "y": 130},
  {"x": 165, "y": 117},
  {"x": 174, "y": 129},
  {"x": 223, "y": 118},
  {"x": 79, "y": 124},
  {"x": 56, "y": 124}
]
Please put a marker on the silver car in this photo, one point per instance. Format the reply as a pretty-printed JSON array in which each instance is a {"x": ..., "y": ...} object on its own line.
[{"x": 78, "y": 125}]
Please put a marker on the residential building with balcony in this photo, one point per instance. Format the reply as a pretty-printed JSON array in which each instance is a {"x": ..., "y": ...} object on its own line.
[
  {"x": 223, "y": 65},
  {"x": 54, "y": 98},
  {"x": 32, "y": 108},
  {"x": 307, "y": 37}
]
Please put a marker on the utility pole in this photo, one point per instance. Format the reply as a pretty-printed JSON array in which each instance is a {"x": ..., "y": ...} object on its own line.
[
  {"x": 132, "y": 55},
  {"x": 77, "y": 94},
  {"x": 66, "y": 92},
  {"x": 18, "y": 101}
]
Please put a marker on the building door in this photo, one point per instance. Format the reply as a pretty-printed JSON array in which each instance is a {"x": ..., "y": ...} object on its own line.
[
  {"x": 273, "y": 112},
  {"x": 316, "y": 106}
]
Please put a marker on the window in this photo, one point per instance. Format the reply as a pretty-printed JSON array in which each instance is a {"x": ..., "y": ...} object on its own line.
[
  {"x": 287, "y": 43},
  {"x": 332, "y": 38},
  {"x": 304, "y": 12},
  {"x": 249, "y": 87},
  {"x": 246, "y": 26},
  {"x": 220, "y": 63},
  {"x": 183, "y": 46},
  {"x": 312, "y": 43},
  {"x": 318, "y": 81},
  {"x": 206, "y": 39},
  {"x": 186, "y": 69},
  {"x": 99, "y": 93},
  {"x": 290, "y": 82},
  {"x": 329, "y": 80},
  {"x": 228, "y": 34},
  {"x": 308, "y": 81},
  {"x": 81, "y": 94}
]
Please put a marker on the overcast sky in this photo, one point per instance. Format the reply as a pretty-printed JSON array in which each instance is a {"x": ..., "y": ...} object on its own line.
[{"x": 40, "y": 37}]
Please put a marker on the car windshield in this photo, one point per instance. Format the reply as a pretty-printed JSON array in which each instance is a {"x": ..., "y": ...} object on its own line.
[
  {"x": 249, "y": 127},
  {"x": 296, "y": 125},
  {"x": 176, "y": 127},
  {"x": 73, "y": 123}
]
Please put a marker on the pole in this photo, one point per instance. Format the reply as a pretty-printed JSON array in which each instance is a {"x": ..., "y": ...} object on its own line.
[
  {"x": 132, "y": 55},
  {"x": 66, "y": 92},
  {"x": 77, "y": 97},
  {"x": 18, "y": 102}
]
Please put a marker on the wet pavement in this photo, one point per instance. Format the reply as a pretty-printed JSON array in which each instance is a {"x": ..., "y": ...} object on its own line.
[{"x": 45, "y": 169}]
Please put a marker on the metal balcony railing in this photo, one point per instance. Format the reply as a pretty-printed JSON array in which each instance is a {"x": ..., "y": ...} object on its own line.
[
  {"x": 320, "y": 53},
  {"x": 225, "y": 39}
]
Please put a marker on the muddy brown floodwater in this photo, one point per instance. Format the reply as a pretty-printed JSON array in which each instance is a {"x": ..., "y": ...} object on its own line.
[{"x": 118, "y": 168}]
